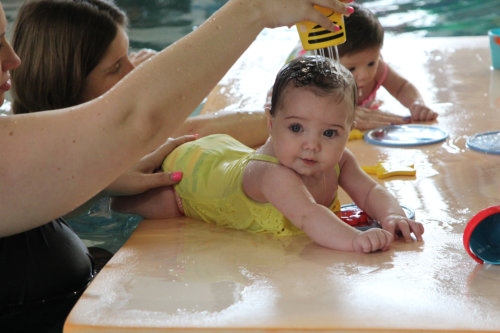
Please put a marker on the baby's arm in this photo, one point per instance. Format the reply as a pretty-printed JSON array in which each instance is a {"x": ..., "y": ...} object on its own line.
[
  {"x": 376, "y": 200},
  {"x": 408, "y": 95},
  {"x": 285, "y": 190},
  {"x": 366, "y": 119}
]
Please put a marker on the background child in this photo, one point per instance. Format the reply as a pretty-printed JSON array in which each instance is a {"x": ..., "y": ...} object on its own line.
[
  {"x": 289, "y": 185},
  {"x": 361, "y": 54}
]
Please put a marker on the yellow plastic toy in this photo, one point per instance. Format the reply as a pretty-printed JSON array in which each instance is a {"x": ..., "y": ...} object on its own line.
[
  {"x": 385, "y": 170},
  {"x": 313, "y": 36},
  {"x": 356, "y": 134}
]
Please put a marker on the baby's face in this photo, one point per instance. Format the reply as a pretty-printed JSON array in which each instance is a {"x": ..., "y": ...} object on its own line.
[
  {"x": 309, "y": 132},
  {"x": 363, "y": 65}
]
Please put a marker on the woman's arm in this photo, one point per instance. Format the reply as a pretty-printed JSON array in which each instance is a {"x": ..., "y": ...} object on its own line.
[
  {"x": 248, "y": 127},
  {"x": 52, "y": 162}
]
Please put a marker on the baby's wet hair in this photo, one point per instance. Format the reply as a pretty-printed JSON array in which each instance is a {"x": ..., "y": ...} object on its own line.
[
  {"x": 322, "y": 75},
  {"x": 363, "y": 31}
]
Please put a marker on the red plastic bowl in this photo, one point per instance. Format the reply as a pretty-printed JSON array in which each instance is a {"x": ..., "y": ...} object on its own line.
[{"x": 482, "y": 242}]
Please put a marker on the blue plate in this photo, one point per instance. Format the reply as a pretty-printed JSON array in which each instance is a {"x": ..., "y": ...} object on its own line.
[
  {"x": 405, "y": 135},
  {"x": 487, "y": 142}
]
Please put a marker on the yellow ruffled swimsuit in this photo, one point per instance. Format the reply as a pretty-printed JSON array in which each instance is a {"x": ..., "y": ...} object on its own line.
[{"x": 211, "y": 187}]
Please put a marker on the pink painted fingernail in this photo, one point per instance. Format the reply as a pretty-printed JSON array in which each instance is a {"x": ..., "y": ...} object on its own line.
[
  {"x": 176, "y": 176},
  {"x": 337, "y": 28},
  {"x": 196, "y": 135},
  {"x": 350, "y": 10}
]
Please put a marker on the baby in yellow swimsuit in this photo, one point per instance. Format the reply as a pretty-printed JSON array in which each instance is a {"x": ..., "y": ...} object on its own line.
[
  {"x": 289, "y": 185},
  {"x": 212, "y": 191}
]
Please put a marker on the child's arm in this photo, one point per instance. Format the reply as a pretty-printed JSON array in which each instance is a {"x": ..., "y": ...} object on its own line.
[
  {"x": 285, "y": 190},
  {"x": 366, "y": 119},
  {"x": 375, "y": 199},
  {"x": 407, "y": 94}
]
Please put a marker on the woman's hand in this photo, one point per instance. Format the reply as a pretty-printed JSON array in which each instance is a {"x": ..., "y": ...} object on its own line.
[
  {"x": 366, "y": 119},
  {"x": 277, "y": 13},
  {"x": 142, "y": 177},
  {"x": 137, "y": 58}
]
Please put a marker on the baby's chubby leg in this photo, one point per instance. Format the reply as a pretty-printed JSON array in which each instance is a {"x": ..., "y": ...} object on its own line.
[{"x": 158, "y": 203}]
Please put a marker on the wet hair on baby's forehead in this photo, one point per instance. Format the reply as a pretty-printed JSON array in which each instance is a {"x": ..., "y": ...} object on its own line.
[{"x": 314, "y": 72}]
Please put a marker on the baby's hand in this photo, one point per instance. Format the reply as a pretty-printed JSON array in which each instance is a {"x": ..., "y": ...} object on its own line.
[
  {"x": 420, "y": 112},
  {"x": 397, "y": 224},
  {"x": 372, "y": 240},
  {"x": 366, "y": 119}
]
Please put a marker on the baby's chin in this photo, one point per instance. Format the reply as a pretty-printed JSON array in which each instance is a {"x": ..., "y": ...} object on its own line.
[{"x": 309, "y": 172}]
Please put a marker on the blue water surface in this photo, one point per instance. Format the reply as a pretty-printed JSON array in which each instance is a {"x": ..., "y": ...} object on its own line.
[{"x": 158, "y": 23}]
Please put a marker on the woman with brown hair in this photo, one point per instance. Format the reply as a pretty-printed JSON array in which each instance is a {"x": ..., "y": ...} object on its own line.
[{"x": 75, "y": 51}]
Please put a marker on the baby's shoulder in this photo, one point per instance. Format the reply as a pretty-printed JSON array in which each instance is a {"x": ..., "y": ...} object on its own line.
[
  {"x": 347, "y": 162},
  {"x": 347, "y": 155},
  {"x": 256, "y": 178},
  {"x": 265, "y": 167},
  {"x": 382, "y": 70},
  {"x": 265, "y": 174}
]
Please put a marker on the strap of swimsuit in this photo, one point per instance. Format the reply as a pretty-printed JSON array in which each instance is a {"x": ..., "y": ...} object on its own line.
[
  {"x": 263, "y": 157},
  {"x": 372, "y": 95},
  {"x": 272, "y": 159}
]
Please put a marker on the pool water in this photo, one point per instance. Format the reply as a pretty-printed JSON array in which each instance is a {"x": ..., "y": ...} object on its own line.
[
  {"x": 436, "y": 18},
  {"x": 158, "y": 23},
  {"x": 104, "y": 228}
]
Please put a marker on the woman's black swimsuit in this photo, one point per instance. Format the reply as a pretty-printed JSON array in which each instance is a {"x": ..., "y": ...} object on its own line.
[{"x": 43, "y": 272}]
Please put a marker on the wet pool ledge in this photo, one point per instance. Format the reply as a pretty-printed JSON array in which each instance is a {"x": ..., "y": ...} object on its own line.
[{"x": 185, "y": 275}]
